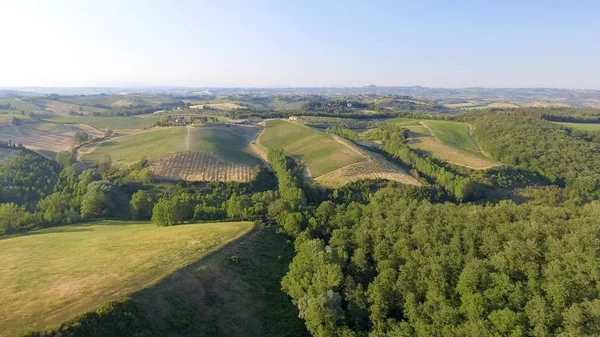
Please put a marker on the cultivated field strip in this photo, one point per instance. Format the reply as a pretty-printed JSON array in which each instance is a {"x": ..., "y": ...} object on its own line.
[{"x": 199, "y": 166}]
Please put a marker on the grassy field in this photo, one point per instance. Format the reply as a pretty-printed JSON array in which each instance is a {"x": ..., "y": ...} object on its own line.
[
  {"x": 213, "y": 153},
  {"x": 20, "y": 104},
  {"x": 581, "y": 126},
  {"x": 331, "y": 161},
  {"x": 10, "y": 116},
  {"x": 445, "y": 140},
  {"x": 145, "y": 144},
  {"x": 115, "y": 123},
  {"x": 52, "y": 275},
  {"x": 321, "y": 152},
  {"x": 234, "y": 292},
  {"x": 230, "y": 143},
  {"x": 450, "y": 154},
  {"x": 452, "y": 133}
]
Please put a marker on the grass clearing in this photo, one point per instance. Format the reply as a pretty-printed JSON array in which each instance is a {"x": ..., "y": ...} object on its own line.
[
  {"x": 452, "y": 133},
  {"x": 453, "y": 155},
  {"x": 322, "y": 153},
  {"x": 581, "y": 126},
  {"x": 423, "y": 140},
  {"x": 445, "y": 140},
  {"x": 52, "y": 275}
]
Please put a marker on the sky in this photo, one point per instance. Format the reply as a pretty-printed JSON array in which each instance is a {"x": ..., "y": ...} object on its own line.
[{"x": 289, "y": 43}]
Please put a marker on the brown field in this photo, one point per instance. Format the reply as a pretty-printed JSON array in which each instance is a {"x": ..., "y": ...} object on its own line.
[
  {"x": 45, "y": 136},
  {"x": 6, "y": 154},
  {"x": 218, "y": 106},
  {"x": 199, "y": 166}
]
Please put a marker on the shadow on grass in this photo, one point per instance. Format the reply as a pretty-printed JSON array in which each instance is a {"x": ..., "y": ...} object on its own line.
[
  {"x": 74, "y": 228},
  {"x": 63, "y": 229},
  {"x": 234, "y": 291}
]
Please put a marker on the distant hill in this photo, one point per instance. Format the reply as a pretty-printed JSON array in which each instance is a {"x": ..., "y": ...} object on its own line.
[{"x": 518, "y": 94}]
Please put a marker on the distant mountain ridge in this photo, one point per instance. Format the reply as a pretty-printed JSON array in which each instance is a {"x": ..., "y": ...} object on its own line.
[{"x": 442, "y": 94}]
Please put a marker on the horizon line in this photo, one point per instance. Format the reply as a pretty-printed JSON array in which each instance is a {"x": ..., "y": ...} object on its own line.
[{"x": 154, "y": 86}]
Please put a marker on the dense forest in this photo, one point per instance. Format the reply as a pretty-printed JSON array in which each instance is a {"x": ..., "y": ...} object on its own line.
[
  {"x": 404, "y": 267},
  {"x": 566, "y": 157}
]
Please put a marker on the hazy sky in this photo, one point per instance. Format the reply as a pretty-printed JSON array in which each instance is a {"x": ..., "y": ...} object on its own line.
[{"x": 300, "y": 43}]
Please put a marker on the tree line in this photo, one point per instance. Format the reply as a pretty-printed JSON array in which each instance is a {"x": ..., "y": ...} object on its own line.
[
  {"x": 393, "y": 140},
  {"x": 567, "y": 158}
]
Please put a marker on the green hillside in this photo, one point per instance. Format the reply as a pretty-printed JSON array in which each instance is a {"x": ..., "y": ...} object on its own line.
[
  {"x": 452, "y": 133},
  {"x": 230, "y": 143},
  {"x": 145, "y": 144},
  {"x": 321, "y": 152}
]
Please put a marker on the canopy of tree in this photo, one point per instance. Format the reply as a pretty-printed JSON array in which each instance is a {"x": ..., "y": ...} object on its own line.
[{"x": 400, "y": 267}]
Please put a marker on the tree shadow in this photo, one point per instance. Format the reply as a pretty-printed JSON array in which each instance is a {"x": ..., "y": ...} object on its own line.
[{"x": 234, "y": 291}]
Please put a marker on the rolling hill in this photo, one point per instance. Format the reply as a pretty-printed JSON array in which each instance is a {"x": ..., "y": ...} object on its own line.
[
  {"x": 448, "y": 141},
  {"x": 330, "y": 160},
  {"x": 74, "y": 269},
  {"x": 43, "y": 137},
  {"x": 214, "y": 153}
]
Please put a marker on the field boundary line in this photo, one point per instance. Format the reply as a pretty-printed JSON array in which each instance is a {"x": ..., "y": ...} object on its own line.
[{"x": 470, "y": 132}]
